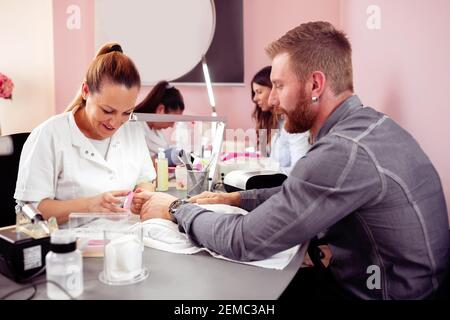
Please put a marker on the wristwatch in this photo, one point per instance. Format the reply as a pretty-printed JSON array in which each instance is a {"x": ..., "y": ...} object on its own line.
[{"x": 175, "y": 205}]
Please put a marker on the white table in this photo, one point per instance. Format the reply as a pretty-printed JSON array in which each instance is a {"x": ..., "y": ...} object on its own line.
[{"x": 178, "y": 276}]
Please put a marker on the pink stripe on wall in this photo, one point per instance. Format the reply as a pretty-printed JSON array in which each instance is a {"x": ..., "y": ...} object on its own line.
[{"x": 74, "y": 49}]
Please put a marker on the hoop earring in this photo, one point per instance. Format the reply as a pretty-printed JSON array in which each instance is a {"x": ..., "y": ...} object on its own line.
[{"x": 315, "y": 99}]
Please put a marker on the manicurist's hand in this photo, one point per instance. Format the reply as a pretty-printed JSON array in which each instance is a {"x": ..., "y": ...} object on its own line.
[{"x": 107, "y": 201}]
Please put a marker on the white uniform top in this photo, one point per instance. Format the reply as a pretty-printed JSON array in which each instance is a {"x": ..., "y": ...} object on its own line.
[
  {"x": 154, "y": 138},
  {"x": 59, "y": 162},
  {"x": 288, "y": 148}
]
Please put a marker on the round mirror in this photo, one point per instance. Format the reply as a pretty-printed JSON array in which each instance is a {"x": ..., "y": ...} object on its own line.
[{"x": 165, "y": 38}]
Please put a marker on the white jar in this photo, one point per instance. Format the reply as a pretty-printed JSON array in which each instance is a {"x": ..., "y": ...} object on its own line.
[{"x": 64, "y": 264}]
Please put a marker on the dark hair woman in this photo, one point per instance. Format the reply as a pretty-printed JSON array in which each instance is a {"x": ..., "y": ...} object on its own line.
[
  {"x": 281, "y": 146},
  {"x": 162, "y": 99}
]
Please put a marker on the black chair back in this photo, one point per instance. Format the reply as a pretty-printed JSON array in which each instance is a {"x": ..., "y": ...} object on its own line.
[{"x": 9, "y": 166}]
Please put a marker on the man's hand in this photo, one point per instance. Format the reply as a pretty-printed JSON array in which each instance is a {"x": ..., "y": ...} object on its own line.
[
  {"x": 140, "y": 197},
  {"x": 232, "y": 199},
  {"x": 157, "y": 206}
]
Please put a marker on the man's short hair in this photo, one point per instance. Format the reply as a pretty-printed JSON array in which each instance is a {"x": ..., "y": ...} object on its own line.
[{"x": 318, "y": 46}]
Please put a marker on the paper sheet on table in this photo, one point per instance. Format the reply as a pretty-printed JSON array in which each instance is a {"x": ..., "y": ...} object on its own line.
[{"x": 164, "y": 235}]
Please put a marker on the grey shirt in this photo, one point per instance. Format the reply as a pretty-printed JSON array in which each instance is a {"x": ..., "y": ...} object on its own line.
[{"x": 368, "y": 187}]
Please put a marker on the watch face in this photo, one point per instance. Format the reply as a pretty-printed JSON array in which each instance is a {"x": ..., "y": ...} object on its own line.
[{"x": 175, "y": 205}]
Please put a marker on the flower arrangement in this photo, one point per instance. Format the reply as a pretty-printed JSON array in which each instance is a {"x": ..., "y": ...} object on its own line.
[{"x": 6, "y": 87}]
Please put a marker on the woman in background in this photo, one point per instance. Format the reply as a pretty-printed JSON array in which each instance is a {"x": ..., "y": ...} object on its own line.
[
  {"x": 162, "y": 99},
  {"x": 72, "y": 161},
  {"x": 273, "y": 140},
  {"x": 267, "y": 121}
]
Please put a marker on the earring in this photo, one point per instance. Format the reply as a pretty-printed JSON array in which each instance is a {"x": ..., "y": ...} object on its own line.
[{"x": 315, "y": 99}]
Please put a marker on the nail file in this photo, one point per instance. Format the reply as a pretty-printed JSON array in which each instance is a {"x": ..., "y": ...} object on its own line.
[{"x": 128, "y": 201}]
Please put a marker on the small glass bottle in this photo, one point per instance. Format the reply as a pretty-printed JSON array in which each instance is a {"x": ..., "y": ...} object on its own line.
[
  {"x": 181, "y": 177},
  {"x": 64, "y": 264}
]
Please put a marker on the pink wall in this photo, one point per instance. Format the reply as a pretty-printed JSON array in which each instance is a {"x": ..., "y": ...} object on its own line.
[
  {"x": 74, "y": 49},
  {"x": 403, "y": 69},
  {"x": 262, "y": 24}
]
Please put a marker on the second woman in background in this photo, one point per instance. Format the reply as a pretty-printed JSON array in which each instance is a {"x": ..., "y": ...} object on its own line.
[
  {"x": 285, "y": 148},
  {"x": 162, "y": 99}
]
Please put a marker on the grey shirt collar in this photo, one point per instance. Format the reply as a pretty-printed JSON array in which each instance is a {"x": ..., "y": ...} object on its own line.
[{"x": 341, "y": 112}]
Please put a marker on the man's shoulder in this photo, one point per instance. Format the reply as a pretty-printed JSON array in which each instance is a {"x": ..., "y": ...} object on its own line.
[
  {"x": 357, "y": 123},
  {"x": 332, "y": 142},
  {"x": 329, "y": 153}
]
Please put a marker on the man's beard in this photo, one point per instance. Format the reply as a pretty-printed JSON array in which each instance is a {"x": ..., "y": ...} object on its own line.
[{"x": 301, "y": 119}]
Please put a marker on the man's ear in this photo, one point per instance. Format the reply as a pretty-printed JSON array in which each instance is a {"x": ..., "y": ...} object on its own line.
[
  {"x": 318, "y": 81},
  {"x": 84, "y": 90}
]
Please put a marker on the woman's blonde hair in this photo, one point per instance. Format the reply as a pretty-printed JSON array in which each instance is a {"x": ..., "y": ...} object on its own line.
[{"x": 110, "y": 64}]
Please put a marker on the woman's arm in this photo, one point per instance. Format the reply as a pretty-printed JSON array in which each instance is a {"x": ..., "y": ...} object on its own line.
[{"x": 104, "y": 202}]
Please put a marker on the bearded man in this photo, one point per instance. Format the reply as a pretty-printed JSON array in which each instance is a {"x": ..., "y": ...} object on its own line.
[{"x": 365, "y": 186}]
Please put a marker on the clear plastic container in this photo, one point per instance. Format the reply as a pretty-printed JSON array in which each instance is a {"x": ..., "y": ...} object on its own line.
[
  {"x": 64, "y": 265},
  {"x": 181, "y": 177},
  {"x": 89, "y": 228},
  {"x": 123, "y": 262}
]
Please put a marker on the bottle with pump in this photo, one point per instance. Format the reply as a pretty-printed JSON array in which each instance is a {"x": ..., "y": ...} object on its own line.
[
  {"x": 162, "y": 174},
  {"x": 64, "y": 264}
]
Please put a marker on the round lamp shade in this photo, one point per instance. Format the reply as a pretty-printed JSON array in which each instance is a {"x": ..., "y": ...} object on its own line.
[{"x": 165, "y": 38}]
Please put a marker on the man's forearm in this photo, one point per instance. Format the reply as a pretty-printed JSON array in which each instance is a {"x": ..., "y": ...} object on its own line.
[{"x": 251, "y": 199}]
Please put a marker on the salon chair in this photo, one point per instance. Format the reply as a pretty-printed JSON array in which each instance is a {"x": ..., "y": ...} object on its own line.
[{"x": 9, "y": 166}]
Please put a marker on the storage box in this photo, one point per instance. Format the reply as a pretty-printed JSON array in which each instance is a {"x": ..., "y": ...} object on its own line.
[{"x": 21, "y": 256}]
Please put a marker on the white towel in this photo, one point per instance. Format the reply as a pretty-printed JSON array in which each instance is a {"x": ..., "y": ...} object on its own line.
[{"x": 164, "y": 235}]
